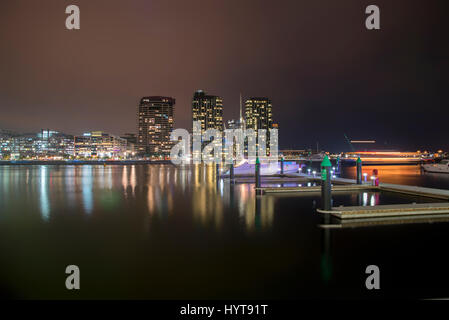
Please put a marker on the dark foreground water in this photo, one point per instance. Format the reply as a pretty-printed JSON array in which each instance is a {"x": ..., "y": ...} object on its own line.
[{"x": 158, "y": 231}]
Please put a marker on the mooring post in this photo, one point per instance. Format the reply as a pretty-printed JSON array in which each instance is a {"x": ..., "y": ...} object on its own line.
[
  {"x": 326, "y": 197},
  {"x": 359, "y": 170},
  {"x": 282, "y": 164},
  {"x": 231, "y": 173},
  {"x": 257, "y": 166}
]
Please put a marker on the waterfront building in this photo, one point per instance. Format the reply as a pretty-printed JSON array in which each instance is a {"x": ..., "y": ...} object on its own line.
[
  {"x": 6, "y": 138},
  {"x": 155, "y": 124},
  {"x": 24, "y": 146},
  {"x": 208, "y": 110},
  {"x": 97, "y": 144},
  {"x": 47, "y": 144},
  {"x": 258, "y": 115},
  {"x": 54, "y": 144}
]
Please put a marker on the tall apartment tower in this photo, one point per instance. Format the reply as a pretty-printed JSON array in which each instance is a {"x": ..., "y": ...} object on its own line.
[
  {"x": 155, "y": 124},
  {"x": 208, "y": 110},
  {"x": 258, "y": 115}
]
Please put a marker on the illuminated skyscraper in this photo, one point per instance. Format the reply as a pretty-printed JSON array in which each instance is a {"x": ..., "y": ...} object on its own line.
[
  {"x": 155, "y": 124},
  {"x": 258, "y": 115},
  {"x": 208, "y": 110}
]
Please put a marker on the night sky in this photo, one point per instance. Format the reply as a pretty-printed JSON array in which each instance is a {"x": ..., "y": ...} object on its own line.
[{"x": 324, "y": 71}]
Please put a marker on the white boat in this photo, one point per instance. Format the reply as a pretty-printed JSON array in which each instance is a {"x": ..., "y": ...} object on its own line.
[
  {"x": 441, "y": 167},
  {"x": 266, "y": 169}
]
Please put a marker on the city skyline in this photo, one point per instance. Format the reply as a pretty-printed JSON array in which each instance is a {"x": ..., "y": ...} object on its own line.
[
  {"x": 247, "y": 105},
  {"x": 329, "y": 69}
]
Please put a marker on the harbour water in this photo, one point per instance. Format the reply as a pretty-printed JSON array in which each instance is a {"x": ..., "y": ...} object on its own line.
[
  {"x": 403, "y": 174},
  {"x": 160, "y": 231}
]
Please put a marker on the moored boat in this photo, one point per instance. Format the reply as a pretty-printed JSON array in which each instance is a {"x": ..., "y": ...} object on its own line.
[
  {"x": 441, "y": 167},
  {"x": 266, "y": 169}
]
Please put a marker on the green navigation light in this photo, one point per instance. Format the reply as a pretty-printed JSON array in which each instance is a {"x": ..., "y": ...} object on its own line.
[{"x": 326, "y": 162}]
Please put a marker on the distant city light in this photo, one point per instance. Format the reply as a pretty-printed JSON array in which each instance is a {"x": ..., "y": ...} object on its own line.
[{"x": 363, "y": 141}]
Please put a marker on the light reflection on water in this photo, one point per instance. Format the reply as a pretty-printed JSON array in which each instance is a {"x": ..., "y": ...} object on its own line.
[
  {"x": 402, "y": 174},
  {"x": 178, "y": 228},
  {"x": 44, "y": 199},
  {"x": 88, "y": 189},
  {"x": 165, "y": 188}
]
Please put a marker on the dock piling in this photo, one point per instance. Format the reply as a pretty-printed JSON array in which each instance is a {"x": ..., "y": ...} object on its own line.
[
  {"x": 231, "y": 173},
  {"x": 326, "y": 196},
  {"x": 359, "y": 170},
  {"x": 257, "y": 166},
  {"x": 282, "y": 165}
]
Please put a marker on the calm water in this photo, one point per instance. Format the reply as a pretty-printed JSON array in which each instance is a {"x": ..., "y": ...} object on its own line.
[
  {"x": 408, "y": 175},
  {"x": 158, "y": 231}
]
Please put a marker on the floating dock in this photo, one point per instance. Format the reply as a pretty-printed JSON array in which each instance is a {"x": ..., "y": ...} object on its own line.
[
  {"x": 392, "y": 210},
  {"x": 385, "y": 221},
  {"x": 317, "y": 177},
  {"x": 416, "y": 191},
  {"x": 340, "y": 184},
  {"x": 272, "y": 179},
  {"x": 398, "y": 188},
  {"x": 350, "y": 187},
  {"x": 363, "y": 215}
]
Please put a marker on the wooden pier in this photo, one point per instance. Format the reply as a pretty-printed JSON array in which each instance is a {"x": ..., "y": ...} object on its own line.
[
  {"x": 361, "y": 215},
  {"x": 342, "y": 184},
  {"x": 316, "y": 189},
  {"x": 392, "y": 210},
  {"x": 405, "y": 189},
  {"x": 416, "y": 191},
  {"x": 385, "y": 221},
  {"x": 398, "y": 188}
]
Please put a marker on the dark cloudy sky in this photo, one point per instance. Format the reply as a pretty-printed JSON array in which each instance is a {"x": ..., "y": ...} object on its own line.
[{"x": 326, "y": 74}]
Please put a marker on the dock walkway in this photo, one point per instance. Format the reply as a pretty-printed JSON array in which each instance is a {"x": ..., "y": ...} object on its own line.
[
  {"x": 352, "y": 187},
  {"x": 417, "y": 191},
  {"x": 351, "y": 184},
  {"x": 391, "y": 210},
  {"x": 341, "y": 184}
]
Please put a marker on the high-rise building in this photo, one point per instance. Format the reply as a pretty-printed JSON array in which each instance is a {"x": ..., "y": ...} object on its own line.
[
  {"x": 208, "y": 110},
  {"x": 155, "y": 124},
  {"x": 258, "y": 115}
]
